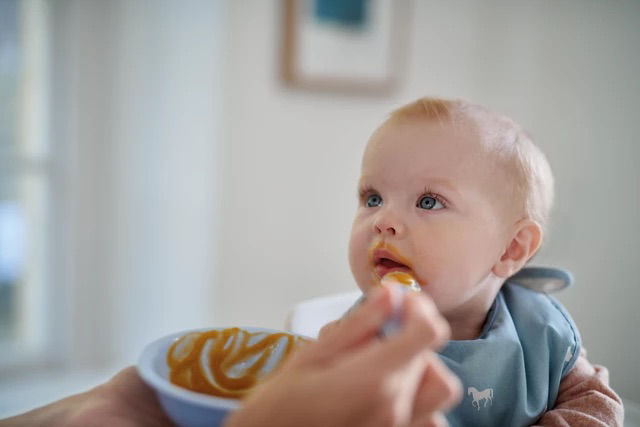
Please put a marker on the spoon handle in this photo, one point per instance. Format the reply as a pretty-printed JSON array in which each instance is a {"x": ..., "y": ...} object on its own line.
[{"x": 394, "y": 323}]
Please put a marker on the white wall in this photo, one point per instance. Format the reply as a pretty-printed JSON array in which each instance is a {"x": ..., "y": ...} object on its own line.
[
  {"x": 567, "y": 72},
  {"x": 166, "y": 174},
  {"x": 137, "y": 98}
]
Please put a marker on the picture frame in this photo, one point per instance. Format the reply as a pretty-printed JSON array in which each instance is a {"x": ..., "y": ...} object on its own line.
[{"x": 344, "y": 46}]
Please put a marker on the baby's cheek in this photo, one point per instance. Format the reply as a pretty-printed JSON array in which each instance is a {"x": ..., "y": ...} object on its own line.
[
  {"x": 357, "y": 259},
  {"x": 361, "y": 273},
  {"x": 359, "y": 251}
]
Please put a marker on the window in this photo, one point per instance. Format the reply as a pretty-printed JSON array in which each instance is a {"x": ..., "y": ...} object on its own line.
[{"x": 25, "y": 187}]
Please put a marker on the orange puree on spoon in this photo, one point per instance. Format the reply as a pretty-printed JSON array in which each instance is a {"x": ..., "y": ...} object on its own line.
[{"x": 402, "y": 278}]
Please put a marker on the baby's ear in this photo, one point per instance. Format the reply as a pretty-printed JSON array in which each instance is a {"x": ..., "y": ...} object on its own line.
[{"x": 524, "y": 244}]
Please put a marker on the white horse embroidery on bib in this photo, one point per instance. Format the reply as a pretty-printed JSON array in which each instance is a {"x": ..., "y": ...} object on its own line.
[{"x": 479, "y": 396}]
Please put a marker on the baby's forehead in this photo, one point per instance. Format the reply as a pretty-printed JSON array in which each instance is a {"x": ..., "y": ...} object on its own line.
[
  {"x": 490, "y": 127},
  {"x": 485, "y": 139},
  {"x": 474, "y": 150}
]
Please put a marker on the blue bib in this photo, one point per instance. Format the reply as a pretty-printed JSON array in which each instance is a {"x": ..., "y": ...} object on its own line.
[{"x": 511, "y": 373}]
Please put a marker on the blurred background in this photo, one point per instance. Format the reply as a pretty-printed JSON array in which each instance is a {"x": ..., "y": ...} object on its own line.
[{"x": 167, "y": 165}]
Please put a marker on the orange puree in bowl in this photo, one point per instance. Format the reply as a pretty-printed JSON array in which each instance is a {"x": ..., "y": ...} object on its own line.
[{"x": 227, "y": 362}]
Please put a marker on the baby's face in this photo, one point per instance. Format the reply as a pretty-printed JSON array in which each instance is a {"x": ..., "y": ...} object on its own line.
[{"x": 431, "y": 204}]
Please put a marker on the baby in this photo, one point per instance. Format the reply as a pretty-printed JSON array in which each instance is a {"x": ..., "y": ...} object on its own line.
[{"x": 459, "y": 197}]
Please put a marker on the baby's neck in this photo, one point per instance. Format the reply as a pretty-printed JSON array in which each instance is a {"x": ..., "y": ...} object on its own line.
[
  {"x": 467, "y": 328},
  {"x": 467, "y": 321}
]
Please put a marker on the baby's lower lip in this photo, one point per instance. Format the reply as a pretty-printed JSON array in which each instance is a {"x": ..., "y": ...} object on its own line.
[{"x": 381, "y": 269}]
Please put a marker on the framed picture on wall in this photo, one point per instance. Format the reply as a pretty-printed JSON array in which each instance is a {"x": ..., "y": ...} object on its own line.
[{"x": 344, "y": 45}]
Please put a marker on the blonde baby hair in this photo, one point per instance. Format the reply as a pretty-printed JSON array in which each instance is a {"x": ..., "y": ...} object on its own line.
[{"x": 532, "y": 183}]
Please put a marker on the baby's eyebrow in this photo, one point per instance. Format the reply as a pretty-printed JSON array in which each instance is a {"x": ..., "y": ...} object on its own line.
[
  {"x": 363, "y": 184},
  {"x": 436, "y": 183},
  {"x": 443, "y": 183},
  {"x": 362, "y": 189}
]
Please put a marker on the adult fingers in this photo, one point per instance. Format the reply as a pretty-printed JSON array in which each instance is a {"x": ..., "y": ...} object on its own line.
[
  {"x": 439, "y": 390},
  {"x": 392, "y": 368},
  {"x": 422, "y": 331},
  {"x": 328, "y": 327},
  {"x": 424, "y": 325},
  {"x": 436, "y": 419},
  {"x": 357, "y": 328}
]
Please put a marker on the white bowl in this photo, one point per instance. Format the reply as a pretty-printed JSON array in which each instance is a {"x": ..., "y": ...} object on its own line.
[{"x": 186, "y": 408}]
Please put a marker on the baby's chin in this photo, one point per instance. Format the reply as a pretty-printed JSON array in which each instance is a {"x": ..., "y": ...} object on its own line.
[{"x": 367, "y": 286}]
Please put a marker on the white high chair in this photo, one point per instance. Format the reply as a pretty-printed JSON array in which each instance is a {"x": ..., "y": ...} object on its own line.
[{"x": 309, "y": 316}]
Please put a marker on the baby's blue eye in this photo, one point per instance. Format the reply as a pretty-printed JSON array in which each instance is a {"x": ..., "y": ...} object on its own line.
[
  {"x": 429, "y": 202},
  {"x": 374, "y": 200}
]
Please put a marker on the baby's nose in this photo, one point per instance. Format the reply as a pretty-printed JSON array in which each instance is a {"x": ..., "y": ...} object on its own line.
[
  {"x": 388, "y": 225},
  {"x": 384, "y": 229}
]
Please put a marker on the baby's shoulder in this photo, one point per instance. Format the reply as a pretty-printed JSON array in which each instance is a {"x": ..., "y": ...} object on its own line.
[
  {"x": 533, "y": 305},
  {"x": 537, "y": 315}
]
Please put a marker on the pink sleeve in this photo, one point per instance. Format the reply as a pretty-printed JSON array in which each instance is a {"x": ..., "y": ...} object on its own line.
[{"x": 585, "y": 398}]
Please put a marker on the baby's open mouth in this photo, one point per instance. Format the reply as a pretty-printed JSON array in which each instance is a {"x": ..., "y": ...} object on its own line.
[
  {"x": 386, "y": 259},
  {"x": 389, "y": 263},
  {"x": 384, "y": 265}
]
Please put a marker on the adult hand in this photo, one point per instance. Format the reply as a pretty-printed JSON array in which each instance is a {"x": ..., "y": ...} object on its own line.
[
  {"x": 351, "y": 377},
  {"x": 348, "y": 377},
  {"x": 125, "y": 401}
]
